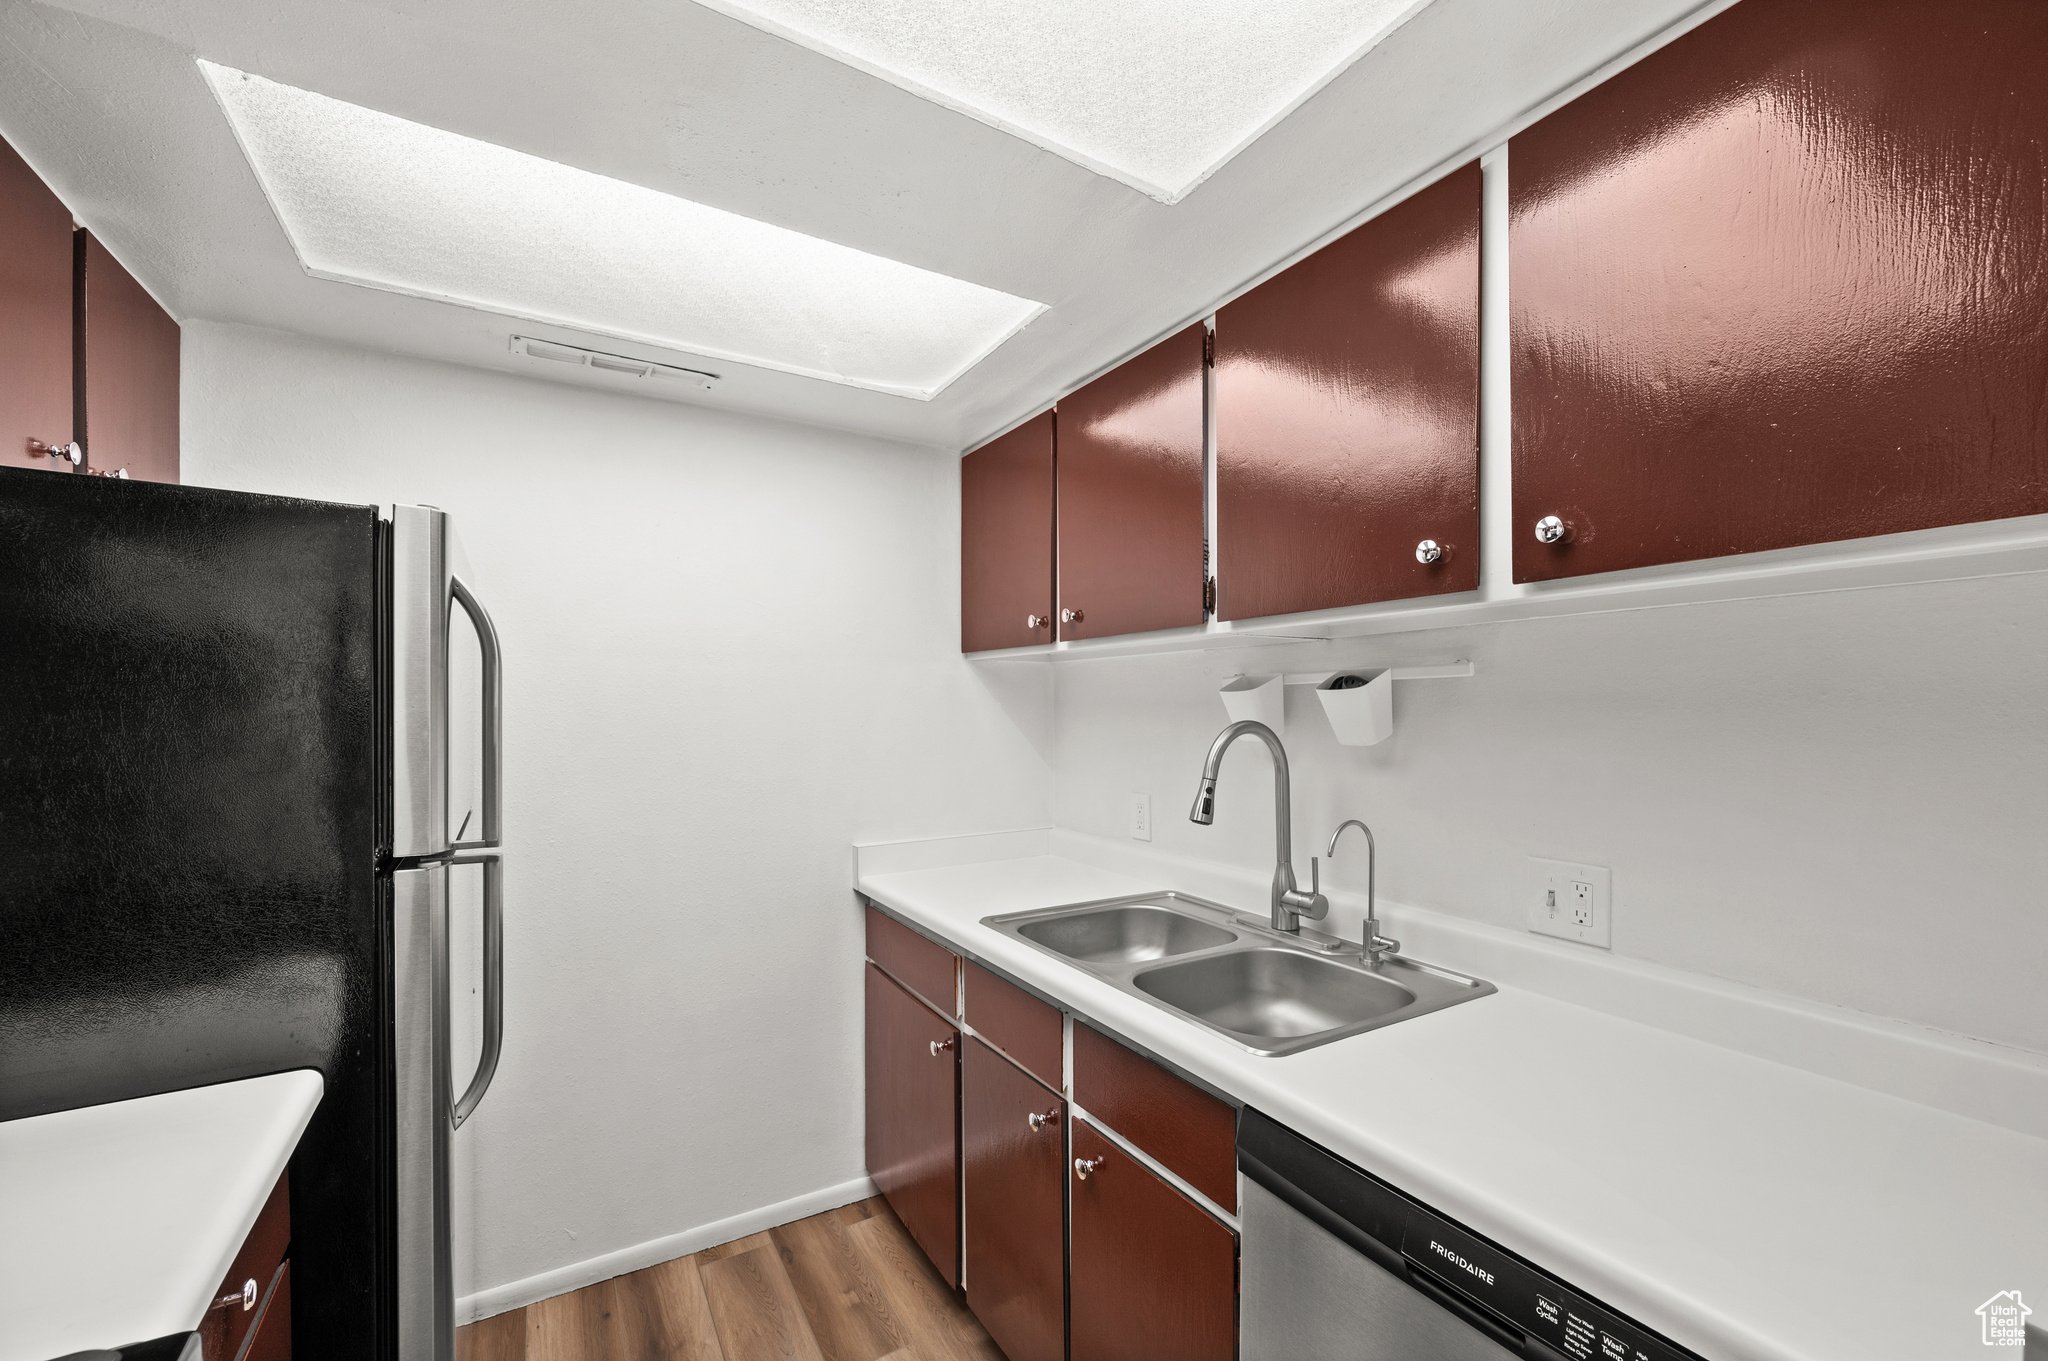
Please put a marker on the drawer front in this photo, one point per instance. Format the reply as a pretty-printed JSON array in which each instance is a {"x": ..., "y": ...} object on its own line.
[
  {"x": 1186, "y": 1129},
  {"x": 920, "y": 965},
  {"x": 1017, "y": 1023},
  {"x": 227, "y": 1321},
  {"x": 272, "y": 1338}
]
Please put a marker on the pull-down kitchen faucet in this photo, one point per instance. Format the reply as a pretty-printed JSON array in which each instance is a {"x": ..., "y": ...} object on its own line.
[{"x": 1290, "y": 904}]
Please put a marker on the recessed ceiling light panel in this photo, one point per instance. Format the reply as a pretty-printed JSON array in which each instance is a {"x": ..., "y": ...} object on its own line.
[
  {"x": 371, "y": 199},
  {"x": 1156, "y": 93}
]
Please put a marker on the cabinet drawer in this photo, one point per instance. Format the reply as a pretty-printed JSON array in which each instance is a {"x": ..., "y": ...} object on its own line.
[
  {"x": 920, "y": 965},
  {"x": 1017, "y": 1023},
  {"x": 228, "y": 1320},
  {"x": 1186, "y": 1129}
]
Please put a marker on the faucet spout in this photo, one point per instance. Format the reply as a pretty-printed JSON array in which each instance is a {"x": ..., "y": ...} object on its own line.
[{"x": 1290, "y": 904}]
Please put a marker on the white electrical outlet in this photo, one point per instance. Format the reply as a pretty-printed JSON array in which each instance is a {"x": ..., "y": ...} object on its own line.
[
  {"x": 1571, "y": 901},
  {"x": 1141, "y": 817}
]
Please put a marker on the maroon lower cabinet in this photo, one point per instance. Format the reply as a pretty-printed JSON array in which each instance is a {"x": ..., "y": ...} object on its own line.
[
  {"x": 131, "y": 374},
  {"x": 271, "y": 1338},
  {"x": 243, "y": 1300},
  {"x": 1347, "y": 417},
  {"x": 913, "y": 1149},
  {"x": 36, "y": 268},
  {"x": 1154, "y": 1277},
  {"x": 1784, "y": 281},
  {"x": 1006, "y": 539},
  {"x": 1013, "y": 1165},
  {"x": 1130, "y": 494}
]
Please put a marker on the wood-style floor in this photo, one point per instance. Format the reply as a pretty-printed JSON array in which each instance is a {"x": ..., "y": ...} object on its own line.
[{"x": 846, "y": 1285}]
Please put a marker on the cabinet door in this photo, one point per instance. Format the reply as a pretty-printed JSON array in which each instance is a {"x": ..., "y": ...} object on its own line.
[
  {"x": 131, "y": 374},
  {"x": 1006, "y": 539},
  {"x": 35, "y": 315},
  {"x": 1347, "y": 417},
  {"x": 1154, "y": 1278},
  {"x": 1785, "y": 281},
  {"x": 1130, "y": 494},
  {"x": 913, "y": 1093},
  {"x": 1012, "y": 1153}
]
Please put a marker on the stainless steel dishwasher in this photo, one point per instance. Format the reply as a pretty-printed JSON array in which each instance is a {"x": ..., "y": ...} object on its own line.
[{"x": 1339, "y": 1265}]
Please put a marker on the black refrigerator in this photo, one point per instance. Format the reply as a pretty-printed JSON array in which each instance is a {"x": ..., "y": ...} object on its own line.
[{"x": 226, "y": 848}]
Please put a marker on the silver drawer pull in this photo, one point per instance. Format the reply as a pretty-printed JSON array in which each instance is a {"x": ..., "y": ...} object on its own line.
[
  {"x": 1039, "y": 1122},
  {"x": 940, "y": 1046},
  {"x": 246, "y": 1296},
  {"x": 1083, "y": 1167}
]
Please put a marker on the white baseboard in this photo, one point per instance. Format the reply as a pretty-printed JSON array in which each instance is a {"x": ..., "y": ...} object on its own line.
[{"x": 576, "y": 1275}]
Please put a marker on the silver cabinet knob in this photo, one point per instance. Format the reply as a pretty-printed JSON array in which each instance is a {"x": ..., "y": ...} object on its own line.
[
  {"x": 940, "y": 1046},
  {"x": 1039, "y": 1122},
  {"x": 246, "y": 1296},
  {"x": 1071, "y": 616},
  {"x": 1084, "y": 1166},
  {"x": 61, "y": 453},
  {"x": 1428, "y": 551},
  {"x": 1035, "y": 622},
  {"x": 1550, "y": 529}
]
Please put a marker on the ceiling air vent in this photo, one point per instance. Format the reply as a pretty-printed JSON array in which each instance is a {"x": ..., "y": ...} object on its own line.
[{"x": 608, "y": 363}]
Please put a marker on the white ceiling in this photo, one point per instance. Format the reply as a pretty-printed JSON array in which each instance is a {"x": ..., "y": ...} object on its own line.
[{"x": 105, "y": 99}]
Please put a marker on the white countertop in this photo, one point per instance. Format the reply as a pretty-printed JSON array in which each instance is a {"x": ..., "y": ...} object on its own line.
[
  {"x": 1750, "y": 1210},
  {"x": 117, "y": 1222}
]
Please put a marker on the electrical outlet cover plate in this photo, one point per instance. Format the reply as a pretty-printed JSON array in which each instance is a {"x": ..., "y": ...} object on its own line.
[
  {"x": 1571, "y": 901},
  {"x": 1141, "y": 817}
]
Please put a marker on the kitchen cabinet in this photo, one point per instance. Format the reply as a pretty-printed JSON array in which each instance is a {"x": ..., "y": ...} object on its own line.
[
  {"x": 913, "y": 1092},
  {"x": 1347, "y": 417},
  {"x": 1023, "y": 1029},
  {"x": 1154, "y": 1277},
  {"x": 1013, "y": 1164},
  {"x": 1781, "y": 282},
  {"x": 927, "y": 969},
  {"x": 244, "y": 1301},
  {"x": 1191, "y": 1133},
  {"x": 1006, "y": 539},
  {"x": 130, "y": 382},
  {"x": 36, "y": 269},
  {"x": 1130, "y": 494}
]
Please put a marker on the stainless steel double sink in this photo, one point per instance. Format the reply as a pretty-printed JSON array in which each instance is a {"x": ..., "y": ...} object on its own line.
[{"x": 1269, "y": 991}]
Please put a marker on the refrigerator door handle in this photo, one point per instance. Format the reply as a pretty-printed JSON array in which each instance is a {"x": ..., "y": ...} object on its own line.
[
  {"x": 494, "y": 982},
  {"x": 494, "y": 728}
]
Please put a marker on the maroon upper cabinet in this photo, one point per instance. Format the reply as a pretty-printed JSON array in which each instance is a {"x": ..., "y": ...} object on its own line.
[
  {"x": 1347, "y": 417},
  {"x": 1006, "y": 539},
  {"x": 1785, "y": 281},
  {"x": 1130, "y": 495},
  {"x": 35, "y": 315},
  {"x": 131, "y": 374}
]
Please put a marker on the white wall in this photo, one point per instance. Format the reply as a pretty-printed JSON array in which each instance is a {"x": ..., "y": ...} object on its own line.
[
  {"x": 1838, "y": 796},
  {"x": 732, "y": 651}
]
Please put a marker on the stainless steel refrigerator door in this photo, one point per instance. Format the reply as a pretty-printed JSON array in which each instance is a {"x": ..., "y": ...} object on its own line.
[
  {"x": 426, "y": 1275},
  {"x": 421, "y": 589},
  {"x": 1308, "y": 1296}
]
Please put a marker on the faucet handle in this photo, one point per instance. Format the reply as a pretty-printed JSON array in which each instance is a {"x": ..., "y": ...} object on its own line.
[{"x": 1315, "y": 874}]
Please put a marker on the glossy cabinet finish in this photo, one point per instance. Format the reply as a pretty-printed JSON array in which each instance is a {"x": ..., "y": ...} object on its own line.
[
  {"x": 1785, "y": 281},
  {"x": 1006, "y": 539},
  {"x": 925, "y": 967},
  {"x": 912, "y": 1095},
  {"x": 1025, "y": 1029},
  {"x": 1013, "y": 1166},
  {"x": 257, "y": 1262},
  {"x": 1154, "y": 1277},
  {"x": 1130, "y": 494},
  {"x": 1189, "y": 1131},
  {"x": 1347, "y": 416},
  {"x": 271, "y": 1339},
  {"x": 35, "y": 315},
  {"x": 131, "y": 373}
]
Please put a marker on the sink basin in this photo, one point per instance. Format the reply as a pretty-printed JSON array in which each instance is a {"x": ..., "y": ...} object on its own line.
[
  {"x": 1273, "y": 994},
  {"x": 1270, "y": 992},
  {"x": 1124, "y": 935}
]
